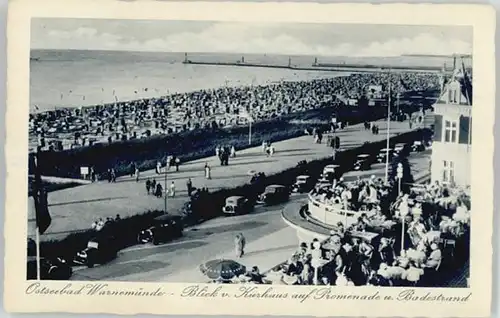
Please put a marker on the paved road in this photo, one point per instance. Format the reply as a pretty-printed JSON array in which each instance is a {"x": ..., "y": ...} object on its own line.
[
  {"x": 269, "y": 242},
  {"x": 179, "y": 261},
  {"x": 75, "y": 209}
]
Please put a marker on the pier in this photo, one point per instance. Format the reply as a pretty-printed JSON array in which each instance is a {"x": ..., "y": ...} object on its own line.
[{"x": 326, "y": 67}]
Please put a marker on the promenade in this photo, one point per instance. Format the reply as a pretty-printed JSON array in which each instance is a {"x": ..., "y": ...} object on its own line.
[{"x": 75, "y": 209}]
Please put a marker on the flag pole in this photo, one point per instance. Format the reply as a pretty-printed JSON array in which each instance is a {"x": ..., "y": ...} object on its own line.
[
  {"x": 388, "y": 133},
  {"x": 249, "y": 132},
  {"x": 37, "y": 253}
]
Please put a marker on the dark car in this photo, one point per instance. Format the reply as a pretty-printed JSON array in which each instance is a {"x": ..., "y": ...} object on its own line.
[
  {"x": 100, "y": 250},
  {"x": 275, "y": 194},
  {"x": 400, "y": 149},
  {"x": 363, "y": 162},
  {"x": 303, "y": 184},
  {"x": 165, "y": 228},
  {"x": 418, "y": 146},
  {"x": 50, "y": 269},
  {"x": 382, "y": 155},
  {"x": 330, "y": 172},
  {"x": 237, "y": 205}
]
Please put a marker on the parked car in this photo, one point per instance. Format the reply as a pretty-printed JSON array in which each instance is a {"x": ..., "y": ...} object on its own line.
[
  {"x": 237, "y": 205},
  {"x": 418, "y": 146},
  {"x": 399, "y": 148},
  {"x": 100, "y": 250},
  {"x": 50, "y": 269},
  {"x": 329, "y": 172},
  {"x": 382, "y": 155},
  {"x": 303, "y": 184},
  {"x": 165, "y": 228},
  {"x": 275, "y": 194},
  {"x": 363, "y": 162}
]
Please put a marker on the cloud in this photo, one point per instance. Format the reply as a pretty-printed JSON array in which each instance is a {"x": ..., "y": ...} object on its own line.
[
  {"x": 260, "y": 39},
  {"x": 81, "y": 38}
]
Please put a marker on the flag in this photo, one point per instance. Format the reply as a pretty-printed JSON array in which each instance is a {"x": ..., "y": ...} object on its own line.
[
  {"x": 43, "y": 218},
  {"x": 467, "y": 85}
]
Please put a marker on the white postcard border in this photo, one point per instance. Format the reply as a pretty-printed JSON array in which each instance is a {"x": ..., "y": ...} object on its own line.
[{"x": 482, "y": 18}]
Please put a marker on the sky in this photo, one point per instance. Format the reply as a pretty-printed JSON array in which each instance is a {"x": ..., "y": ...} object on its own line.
[{"x": 259, "y": 38}]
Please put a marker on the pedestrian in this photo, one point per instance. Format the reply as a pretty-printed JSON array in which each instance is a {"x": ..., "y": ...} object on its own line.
[
  {"x": 189, "y": 185},
  {"x": 217, "y": 151},
  {"x": 159, "y": 190},
  {"x": 158, "y": 167},
  {"x": 172, "y": 189},
  {"x": 92, "y": 174},
  {"x": 148, "y": 185},
  {"x": 109, "y": 176},
  {"x": 271, "y": 150},
  {"x": 169, "y": 161},
  {"x": 153, "y": 185},
  {"x": 337, "y": 142},
  {"x": 132, "y": 169},
  {"x": 239, "y": 245},
  {"x": 207, "y": 171},
  {"x": 137, "y": 174},
  {"x": 264, "y": 146},
  {"x": 233, "y": 152},
  {"x": 113, "y": 175},
  {"x": 177, "y": 163}
]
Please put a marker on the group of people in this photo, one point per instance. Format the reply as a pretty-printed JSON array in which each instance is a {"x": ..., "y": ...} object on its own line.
[
  {"x": 220, "y": 107},
  {"x": 433, "y": 221},
  {"x": 268, "y": 148}
]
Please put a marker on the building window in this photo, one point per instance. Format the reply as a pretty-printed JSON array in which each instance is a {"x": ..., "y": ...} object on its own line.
[
  {"x": 450, "y": 131},
  {"x": 448, "y": 172}
]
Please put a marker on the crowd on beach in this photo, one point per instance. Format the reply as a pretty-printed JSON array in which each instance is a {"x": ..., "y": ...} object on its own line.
[
  {"x": 65, "y": 128},
  {"x": 434, "y": 220}
]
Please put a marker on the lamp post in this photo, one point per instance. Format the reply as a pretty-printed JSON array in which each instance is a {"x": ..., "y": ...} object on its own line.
[
  {"x": 166, "y": 189},
  {"x": 403, "y": 210},
  {"x": 399, "y": 176},
  {"x": 388, "y": 133}
]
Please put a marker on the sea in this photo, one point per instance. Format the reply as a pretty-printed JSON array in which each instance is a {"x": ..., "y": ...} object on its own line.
[{"x": 73, "y": 78}]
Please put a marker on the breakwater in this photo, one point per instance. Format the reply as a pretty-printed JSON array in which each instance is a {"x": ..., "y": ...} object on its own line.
[{"x": 326, "y": 67}]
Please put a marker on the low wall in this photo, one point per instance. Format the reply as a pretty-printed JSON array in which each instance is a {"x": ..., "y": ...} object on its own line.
[{"x": 331, "y": 214}]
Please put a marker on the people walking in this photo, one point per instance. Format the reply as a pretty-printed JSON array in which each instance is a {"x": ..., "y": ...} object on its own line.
[
  {"x": 113, "y": 175},
  {"x": 159, "y": 190},
  {"x": 189, "y": 185},
  {"x": 172, "y": 189},
  {"x": 177, "y": 163},
  {"x": 158, "y": 167},
  {"x": 207, "y": 171},
  {"x": 132, "y": 169},
  {"x": 233, "y": 152},
  {"x": 137, "y": 174},
  {"x": 239, "y": 245},
  {"x": 148, "y": 186}
]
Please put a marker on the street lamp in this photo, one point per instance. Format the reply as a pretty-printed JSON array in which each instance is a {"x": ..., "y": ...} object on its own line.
[
  {"x": 166, "y": 191},
  {"x": 403, "y": 211},
  {"x": 399, "y": 176}
]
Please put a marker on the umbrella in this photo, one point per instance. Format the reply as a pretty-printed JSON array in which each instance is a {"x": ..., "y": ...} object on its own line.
[{"x": 221, "y": 268}]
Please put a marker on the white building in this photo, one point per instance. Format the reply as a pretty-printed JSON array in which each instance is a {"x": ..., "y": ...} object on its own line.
[{"x": 451, "y": 149}]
